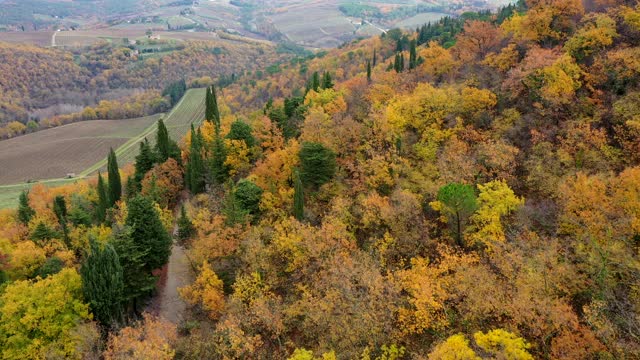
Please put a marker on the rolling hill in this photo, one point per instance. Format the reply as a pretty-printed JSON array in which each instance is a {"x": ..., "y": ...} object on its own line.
[{"x": 80, "y": 148}]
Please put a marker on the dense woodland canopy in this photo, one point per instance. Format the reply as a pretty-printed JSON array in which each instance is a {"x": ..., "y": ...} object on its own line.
[{"x": 484, "y": 204}]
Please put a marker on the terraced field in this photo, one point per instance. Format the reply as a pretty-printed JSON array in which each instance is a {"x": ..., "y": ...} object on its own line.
[{"x": 48, "y": 156}]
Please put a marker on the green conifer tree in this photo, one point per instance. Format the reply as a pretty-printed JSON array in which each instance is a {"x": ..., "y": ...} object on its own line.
[
  {"x": 103, "y": 200},
  {"x": 232, "y": 210},
  {"x": 413, "y": 55},
  {"x": 208, "y": 102},
  {"x": 368, "y": 70},
  {"x": 318, "y": 164},
  {"x": 327, "y": 82},
  {"x": 103, "y": 283},
  {"x": 219, "y": 171},
  {"x": 458, "y": 204},
  {"x": 115, "y": 183},
  {"x": 148, "y": 232},
  {"x": 185, "y": 226},
  {"x": 195, "y": 172},
  {"x": 248, "y": 195},
  {"x": 240, "y": 130},
  {"x": 315, "y": 81},
  {"x": 145, "y": 160},
  {"x": 60, "y": 210},
  {"x": 396, "y": 63},
  {"x": 138, "y": 281},
  {"x": 42, "y": 233},
  {"x": 213, "y": 106},
  {"x": 25, "y": 212},
  {"x": 164, "y": 148}
]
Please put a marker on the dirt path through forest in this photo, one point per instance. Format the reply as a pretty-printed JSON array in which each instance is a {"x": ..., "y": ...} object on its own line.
[{"x": 167, "y": 302}]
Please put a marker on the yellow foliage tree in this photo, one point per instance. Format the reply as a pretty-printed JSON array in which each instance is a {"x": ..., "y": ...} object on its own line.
[
  {"x": 206, "y": 291},
  {"x": 598, "y": 32},
  {"x": 456, "y": 347},
  {"x": 476, "y": 101},
  {"x": 330, "y": 100},
  {"x": 504, "y": 60},
  {"x": 152, "y": 339},
  {"x": 438, "y": 61},
  {"x": 38, "y": 318},
  {"x": 499, "y": 343},
  {"x": 26, "y": 258},
  {"x": 303, "y": 354},
  {"x": 558, "y": 83},
  {"x": 273, "y": 174},
  {"x": 631, "y": 16},
  {"x": 503, "y": 344},
  {"x": 427, "y": 294},
  {"x": 237, "y": 160},
  {"x": 495, "y": 201}
]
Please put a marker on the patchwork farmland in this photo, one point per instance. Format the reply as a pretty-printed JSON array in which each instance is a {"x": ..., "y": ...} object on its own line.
[{"x": 48, "y": 156}]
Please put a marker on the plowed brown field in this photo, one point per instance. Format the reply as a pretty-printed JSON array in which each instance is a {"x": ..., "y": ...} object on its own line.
[{"x": 66, "y": 149}]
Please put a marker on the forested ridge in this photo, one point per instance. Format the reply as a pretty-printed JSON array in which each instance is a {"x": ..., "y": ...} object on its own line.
[
  {"x": 407, "y": 196},
  {"x": 46, "y": 87}
]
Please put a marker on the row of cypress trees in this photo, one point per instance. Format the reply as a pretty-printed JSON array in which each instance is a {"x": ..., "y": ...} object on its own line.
[
  {"x": 117, "y": 274},
  {"x": 198, "y": 171}
]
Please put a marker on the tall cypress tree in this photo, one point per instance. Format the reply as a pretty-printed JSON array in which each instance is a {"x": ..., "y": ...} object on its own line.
[
  {"x": 115, "y": 183},
  {"x": 208, "y": 102},
  {"x": 219, "y": 171},
  {"x": 144, "y": 162},
  {"x": 103, "y": 283},
  {"x": 133, "y": 256},
  {"x": 148, "y": 232},
  {"x": 162, "y": 142},
  {"x": 60, "y": 210},
  {"x": 165, "y": 146},
  {"x": 25, "y": 212},
  {"x": 413, "y": 55},
  {"x": 401, "y": 62},
  {"x": 327, "y": 83},
  {"x": 368, "y": 70},
  {"x": 216, "y": 108},
  {"x": 212, "y": 112},
  {"x": 374, "y": 60},
  {"x": 298, "y": 196},
  {"x": 195, "y": 172},
  {"x": 315, "y": 81},
  {"x": 103, "y": 199}
]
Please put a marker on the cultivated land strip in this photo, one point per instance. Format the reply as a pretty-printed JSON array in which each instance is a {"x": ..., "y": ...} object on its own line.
[{"x": 189, "y": 110}]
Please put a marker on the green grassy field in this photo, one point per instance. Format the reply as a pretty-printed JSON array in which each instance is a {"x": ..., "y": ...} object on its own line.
[
  {"x": 9, "y": 193},
  {"x": 190, "y": 110}
]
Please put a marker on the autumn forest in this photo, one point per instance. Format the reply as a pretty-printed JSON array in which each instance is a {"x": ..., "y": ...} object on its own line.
[{"x": 469, "y": 189}]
